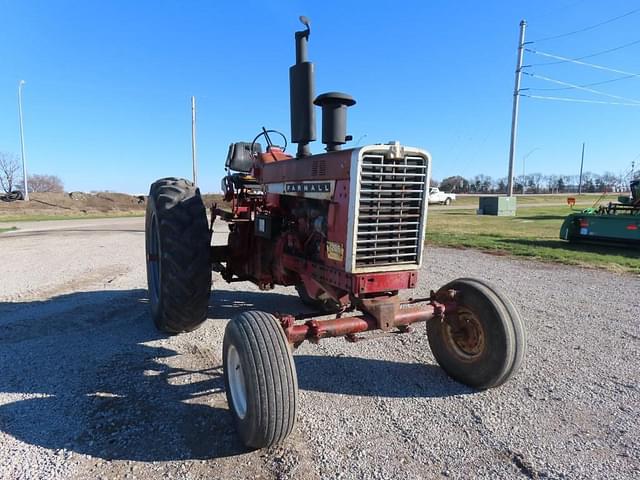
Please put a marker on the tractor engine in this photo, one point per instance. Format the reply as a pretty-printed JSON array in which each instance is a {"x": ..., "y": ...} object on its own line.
[
  {"x": 306, "y": 231},
  {"x": 340, "y": 225}
]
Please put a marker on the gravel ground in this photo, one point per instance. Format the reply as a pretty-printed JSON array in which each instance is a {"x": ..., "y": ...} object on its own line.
[{"x": 88, "y": 389}]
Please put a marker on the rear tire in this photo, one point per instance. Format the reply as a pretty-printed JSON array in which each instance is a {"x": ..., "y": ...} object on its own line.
[
  {"x": 484, "y": 343},
  {"x": 447, "y": 201},
  {"x": 178, "y": 245},
  {"x": 260, "y": 379}
]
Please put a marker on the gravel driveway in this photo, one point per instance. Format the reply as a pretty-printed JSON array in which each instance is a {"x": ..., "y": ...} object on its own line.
[{"x": 88, "y": 389}]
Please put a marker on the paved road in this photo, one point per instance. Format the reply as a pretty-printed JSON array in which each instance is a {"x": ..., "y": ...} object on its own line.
[{"x": 88, "y": 389}]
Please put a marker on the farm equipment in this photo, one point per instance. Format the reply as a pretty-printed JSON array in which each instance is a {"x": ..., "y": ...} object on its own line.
[
  {"x": 346, "y": 229},
  {"x": 615, "y": 223}
]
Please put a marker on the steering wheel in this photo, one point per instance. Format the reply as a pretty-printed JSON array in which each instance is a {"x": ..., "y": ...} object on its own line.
[{"x": 266, "y": 133}]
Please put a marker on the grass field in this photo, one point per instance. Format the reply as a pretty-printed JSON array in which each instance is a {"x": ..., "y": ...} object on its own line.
[
  {"x": 533, "y": 233},
  {"x": 585, "y": 200},
  {"x": 10, "y": 229}
]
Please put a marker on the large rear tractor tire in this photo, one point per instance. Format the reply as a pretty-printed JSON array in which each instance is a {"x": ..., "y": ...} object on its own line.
[
  {"x": 483, "y": 344},
  {"x": 178, "y": 245},
  {"x": 260, "y": 379}
]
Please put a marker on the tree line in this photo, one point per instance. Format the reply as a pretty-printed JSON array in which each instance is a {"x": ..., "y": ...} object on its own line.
[
  {"x": 535, "y": 183},
  {"x": 11, "y": 178}
]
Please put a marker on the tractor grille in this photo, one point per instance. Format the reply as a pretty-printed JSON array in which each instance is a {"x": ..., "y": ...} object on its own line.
[{"x": 392, "y": 196}]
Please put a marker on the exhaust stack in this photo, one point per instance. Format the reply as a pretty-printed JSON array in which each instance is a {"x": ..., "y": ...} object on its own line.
[{"x": 301, "y": 88}]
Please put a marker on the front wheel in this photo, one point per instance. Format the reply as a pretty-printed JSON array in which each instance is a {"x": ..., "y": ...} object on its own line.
[
  {"x": 484, "y": 342},
  {"x": 260, "y": 379}
]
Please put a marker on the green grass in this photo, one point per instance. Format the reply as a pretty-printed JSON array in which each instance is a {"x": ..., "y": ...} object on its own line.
[
  {"x": 74, "y": 216},
  {"x": 533, "y": 233},
  {"x": 10, "y": 229},
  {"x": 586, "y": 200}
]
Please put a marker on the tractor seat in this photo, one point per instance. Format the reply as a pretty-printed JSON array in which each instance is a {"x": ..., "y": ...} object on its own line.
[{"x": 240, "y": 156}]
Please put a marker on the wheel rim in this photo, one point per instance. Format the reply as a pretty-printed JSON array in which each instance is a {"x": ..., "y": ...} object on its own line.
[
  {"x": 236, "y": 382},
  {"x": 465, "y": 336},
  {"x": 153, "y": 261}
]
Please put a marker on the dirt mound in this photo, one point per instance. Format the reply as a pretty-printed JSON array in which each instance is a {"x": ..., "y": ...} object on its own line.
[
  {"x": 74, "y": 203},
  {"x": 214, "y": 198},
  {"x": 82, "y": 203}
]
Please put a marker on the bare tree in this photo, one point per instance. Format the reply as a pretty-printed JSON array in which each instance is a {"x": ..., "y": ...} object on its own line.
[
  {"x": 9, "y": 168},
  {"x": 481, "y": 183},
  {"x": 609, "y": 180},
  {"x": 536, "y": 181},
  {"x": 45, "y": 183}
]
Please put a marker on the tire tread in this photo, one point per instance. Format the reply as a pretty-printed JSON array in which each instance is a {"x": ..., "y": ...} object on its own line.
[
  {"x": 185, "y": 241},
  {"x": 272, "y": 377}
]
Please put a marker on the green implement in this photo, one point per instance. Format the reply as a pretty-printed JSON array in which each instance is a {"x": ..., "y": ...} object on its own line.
[{"x": 615, "y": 223}]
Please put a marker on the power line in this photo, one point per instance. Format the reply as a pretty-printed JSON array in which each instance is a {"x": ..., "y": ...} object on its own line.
[
  {"x": 556, "y": 9},
  {"x": 578, "y": 87},
  {"x": 591, "y": 27},
  {"x": 584, "y": 85},
  {"x": 586, "y": 64},
  {"x": 579, "y": 100},
  {"x": 620, "y": 47}
]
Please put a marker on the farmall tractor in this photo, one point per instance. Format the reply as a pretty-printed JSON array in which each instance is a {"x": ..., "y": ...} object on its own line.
[{"x": 346, "y": 228}]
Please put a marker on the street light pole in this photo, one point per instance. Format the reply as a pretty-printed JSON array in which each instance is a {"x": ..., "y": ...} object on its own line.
[
  {"x": 523, "y": 164},
  {"x": 24, "y": 160},
  {"x": 524, "y": 159},
  {"x": 516, "y": 106},
  {"x": 194, "y": 162}
]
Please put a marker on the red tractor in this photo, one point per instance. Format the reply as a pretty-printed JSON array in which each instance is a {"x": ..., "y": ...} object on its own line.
[{"x": 346, "y": 228}]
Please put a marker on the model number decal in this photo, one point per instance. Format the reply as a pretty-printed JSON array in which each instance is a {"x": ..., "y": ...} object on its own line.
[
  {"x": 315, "y": 187},
  {"x": 335, "y": 251}
]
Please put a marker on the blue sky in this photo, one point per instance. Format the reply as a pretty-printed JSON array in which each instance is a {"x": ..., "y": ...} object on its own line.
[{"x": 107, "y": 98}]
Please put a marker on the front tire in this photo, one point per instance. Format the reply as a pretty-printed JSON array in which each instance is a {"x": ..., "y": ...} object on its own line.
[
  {"x": 260, "y": 379},
  {"x": 484, "y": 343},
  {"x": 178, "y": 245}
]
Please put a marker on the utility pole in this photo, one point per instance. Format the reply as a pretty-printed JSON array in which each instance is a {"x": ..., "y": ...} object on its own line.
[
  {"x": 581, "y": 165},
  {"x": 194, "y": 161},
  {"x": 24, "y": 160},
  {"x": 516, "y": 106}
]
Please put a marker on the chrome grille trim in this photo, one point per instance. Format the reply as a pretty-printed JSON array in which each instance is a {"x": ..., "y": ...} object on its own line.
[{"x": 388, "y": 209}]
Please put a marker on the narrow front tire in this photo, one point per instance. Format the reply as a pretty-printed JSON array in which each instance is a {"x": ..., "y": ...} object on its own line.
[
  {"x": 483, "y": 343},
  {"x": 260, "y": 379}
]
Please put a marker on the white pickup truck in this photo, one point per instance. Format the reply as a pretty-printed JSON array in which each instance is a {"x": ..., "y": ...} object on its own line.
[{"x": 436, "y": 196}]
